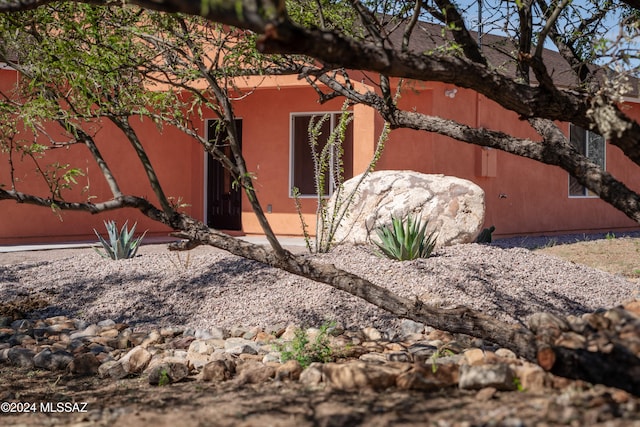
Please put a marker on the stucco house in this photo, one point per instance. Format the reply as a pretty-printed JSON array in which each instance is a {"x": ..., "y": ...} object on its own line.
[{"x": 522, "y": 196}]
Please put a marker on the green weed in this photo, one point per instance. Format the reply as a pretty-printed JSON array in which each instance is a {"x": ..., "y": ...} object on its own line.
[{"x": 302, "y": 349}]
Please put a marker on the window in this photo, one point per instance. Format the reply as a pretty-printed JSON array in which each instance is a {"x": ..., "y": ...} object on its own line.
[
  {"x": 302, "y": 163},
  {"x": 592, "y": 146}
]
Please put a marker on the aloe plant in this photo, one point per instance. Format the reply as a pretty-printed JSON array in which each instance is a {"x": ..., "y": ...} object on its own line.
[
  {"x": 406, "y": 240},
  {"x": 121, "y": 245}
]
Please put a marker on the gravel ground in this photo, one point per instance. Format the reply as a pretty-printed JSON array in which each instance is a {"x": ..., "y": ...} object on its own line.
[{"x": 212, "y": 288}]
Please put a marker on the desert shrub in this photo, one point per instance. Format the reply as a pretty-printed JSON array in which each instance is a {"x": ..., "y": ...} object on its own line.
[
  {"x": 121, "y": 245},
  {"x": 405, "y": 239},
  {"x": 305, "y": 351}
]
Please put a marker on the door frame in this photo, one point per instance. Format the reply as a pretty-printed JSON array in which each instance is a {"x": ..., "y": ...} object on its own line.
[{"x": 206, "y": 192}]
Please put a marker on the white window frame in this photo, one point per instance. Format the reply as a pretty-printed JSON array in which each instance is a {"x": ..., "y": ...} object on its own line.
[
  {"x": 333, "y": 121},
  {"x": 588, "y": 194}
]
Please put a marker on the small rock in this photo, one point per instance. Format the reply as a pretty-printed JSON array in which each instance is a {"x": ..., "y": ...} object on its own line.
[
  {"x": 531, "y": 377},
  {"x": 22, "y": 357},
  {"x": 505, "y": 353},
  {"x": 136, "y": 360},
  {"x": 312, "y": 376},
  {"x": 373, "y": 357},
  {"x": 289, "y": 333},
  {"x": 360, "y": 375},
  {"x": 499, "y": 376},
  {"x": 180, "y": 342},
  {"x": 200, "y": 347},
  {"x": 108, "y": 323},
  {"x": 289, "y": 370},
  {"x": 427, "y": 379},
  {"x": 84, "y": 364},
  {"x": 409, "y": 328},
  {"x": 372, "y": 334},
  {"x": 254, "y": 372},
  {"x": 53, "y": 360},
  {"x": 22, "y": 326},
  {"x": 474, "y": 356},
  {"x": 213, "y": 333},
  {"x": 217, "y": 371},
  {"x": 271, "y": 357},
  {"x": 154, "y": 337},
  {"x": 422, "y": 350},
  {"x": 398, "y": 356},
  {"x": 241, "y": 346},
  {"x": 486, "y": 394},
  {"x": 168, "y": 373}
]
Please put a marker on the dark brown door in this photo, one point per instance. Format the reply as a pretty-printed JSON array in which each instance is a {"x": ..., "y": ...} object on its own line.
[{"x": 224, "y": 210}]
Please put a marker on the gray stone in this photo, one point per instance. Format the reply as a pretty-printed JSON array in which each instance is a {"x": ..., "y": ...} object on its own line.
[
  {"x": 241, "y": 346},
  {"x": 454, "y": 207},
  {"x": 22, "y": 326},
  {"x": 208, "y": 334},
  {"x": 22, "y": 357},
  {"x": 409, "y": 328},
  {"x": 113, "y": 369},
  {"x": 200, "y": 347},
  {"x": 271, "y": 357},
  {"x": 89, "y": 331},
  {"x": 107, "y": 323},
  {"x": 53, "y": 360},
  {"x": 237, "y": 331},
  {"x": 498, "y": 376},
  {"x": 168, "y": 373},
  {"x": 422, "y": 350}
]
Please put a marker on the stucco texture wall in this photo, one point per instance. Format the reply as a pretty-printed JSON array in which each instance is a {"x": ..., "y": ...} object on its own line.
[{"x": 176, "y": 158}]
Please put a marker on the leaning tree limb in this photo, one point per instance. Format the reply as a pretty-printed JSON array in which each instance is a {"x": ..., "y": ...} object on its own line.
[{"x": 615, "y": 366}]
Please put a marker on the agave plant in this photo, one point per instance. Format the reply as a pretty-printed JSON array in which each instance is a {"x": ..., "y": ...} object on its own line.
[
  {"x": 406, "y": 240},
  {"x": 121, "y": 245}
]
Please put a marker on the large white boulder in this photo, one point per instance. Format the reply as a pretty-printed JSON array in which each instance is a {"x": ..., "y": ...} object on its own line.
[{"x": 453, "y": 206}]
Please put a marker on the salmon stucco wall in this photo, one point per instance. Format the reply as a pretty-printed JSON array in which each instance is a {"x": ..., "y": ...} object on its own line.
[
  {"x": 522, "y": 196},
  {"x": 176, "y": 158}
]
